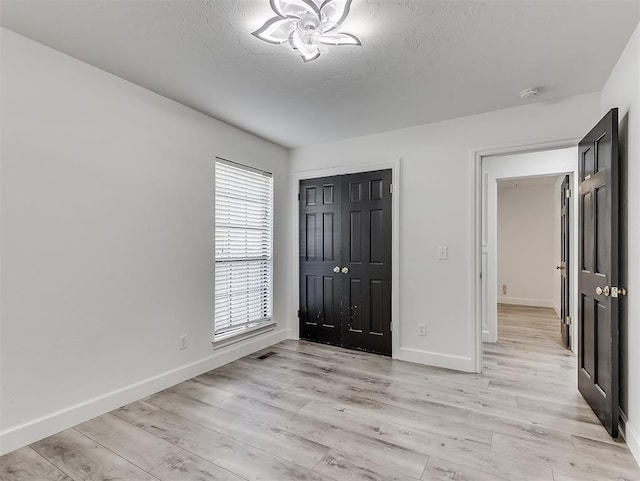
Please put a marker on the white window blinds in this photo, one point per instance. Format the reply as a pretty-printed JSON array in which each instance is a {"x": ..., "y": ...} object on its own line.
[{"x": 244, "y": 214}]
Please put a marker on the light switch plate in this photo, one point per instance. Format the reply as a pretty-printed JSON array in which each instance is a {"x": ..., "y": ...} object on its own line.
[{"x": 443, "y": 253}]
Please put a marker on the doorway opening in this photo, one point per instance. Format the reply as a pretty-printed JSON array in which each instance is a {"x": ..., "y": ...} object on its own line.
[
  {"x": 533, "y": 247},
  {"x": 505, "y": 167},
  {"x": 594, "y": 293}
]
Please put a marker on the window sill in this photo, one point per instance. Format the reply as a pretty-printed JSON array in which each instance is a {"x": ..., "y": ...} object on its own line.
[{"x": 223, "y": 340}]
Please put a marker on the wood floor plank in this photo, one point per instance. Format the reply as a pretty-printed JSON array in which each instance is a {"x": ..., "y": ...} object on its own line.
[
  {"x": 389, "y": 455},
  {"x": 245, "y": 371},
  {"x": 442, "y": 470},
  {"x": 605, "y": 452},
  {"x": 271, "y": 439},
  {"x": 356, "y": 443},
  {"x": 523, "y": 430},
  {"x": 274, "y": 397},
  {"x": 394, "y": 370},
  {"x": 318, "y": 374},
  {"x": 535, "y": 423},
  {"x": 343, "y": 467},
  {"x": 319, "y": 358},
  {"x": 410, "y": 437},
  {"x": 460, "y": 396},
  {"x": 189, "y": 467},
  {"x": 259, "y": 411},
  {"x": 26, "y": 465},
  {"x": 134, "y": 411},
  {"x": 499, "y": 465},
  {"x": 580, "y": 413},
  {"x": 410, "y": 409},
  {"x": 569, "y": 461},
  {"x": 205, "y": 393},
  {"x": 539, "y": 393},
  {"x": 123, "y": 438},
  {"x": 559, "y": 475},
  {"x": 323, "y": 350},
  {"x": 463, "y": 450},
  {"x": 82, "y": 459},
  {"x": 224, "y": 451}
]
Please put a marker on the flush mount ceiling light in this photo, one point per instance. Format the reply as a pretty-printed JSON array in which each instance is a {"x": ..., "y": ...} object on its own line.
[
  {"x": 307, "y": 27},
  {"x": 528, "y": 93}
]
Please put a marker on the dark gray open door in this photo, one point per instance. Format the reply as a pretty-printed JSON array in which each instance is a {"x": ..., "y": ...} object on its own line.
[
  {"x": 565, "y": 320},
  {"x": 598, "y": 270}
]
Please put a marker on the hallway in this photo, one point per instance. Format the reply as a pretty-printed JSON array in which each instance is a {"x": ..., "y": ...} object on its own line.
[{"x": 314, "y": 412}]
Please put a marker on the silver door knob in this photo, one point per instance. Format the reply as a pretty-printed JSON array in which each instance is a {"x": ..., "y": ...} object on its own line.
[
  {"x": 600, "y": 290},
  {"x": 345, "y": 270},
  {"x": 336, "y": 269},
  {"x": 559, "y": 267}
]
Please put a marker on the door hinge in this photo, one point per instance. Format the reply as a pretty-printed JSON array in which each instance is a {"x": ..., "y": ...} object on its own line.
[
  {"x": 481, "y": 275},
  {"x": 298, "y": 196},
  {"x": 299, "y": 314},
  {"x": 567, "y": 193},
  {"x": 391, "y": 188},
  {"x": 391, "y": 326},
  {"x": 567, "y": 320}
]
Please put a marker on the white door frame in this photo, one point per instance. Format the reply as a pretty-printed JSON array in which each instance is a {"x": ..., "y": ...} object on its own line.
[
  {"x": 485, "y": 264},
  {"x": 394, "y": 165}
]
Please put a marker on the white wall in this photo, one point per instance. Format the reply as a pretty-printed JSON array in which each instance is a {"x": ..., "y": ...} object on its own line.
[
  {"x": 622, "y": 90},
  {"x": 107, "y": 240},
  {"x": 438, "y": 209},
  {"x": 526, "y": 243}
]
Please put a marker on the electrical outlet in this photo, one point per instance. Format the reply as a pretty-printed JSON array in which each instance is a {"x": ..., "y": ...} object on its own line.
[
  {"x": 422, "y": 329},
  {"x": 182, "y": 343},
  {"x": 504, "y": 289},
  {"x": 443, "y": 253}
]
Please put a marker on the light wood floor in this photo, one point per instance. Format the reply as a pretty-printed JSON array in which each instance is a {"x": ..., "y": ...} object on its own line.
[{"x": 312, "y": 412}]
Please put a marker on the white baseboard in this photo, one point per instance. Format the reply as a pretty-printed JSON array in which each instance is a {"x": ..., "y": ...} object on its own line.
[
  {"x": 556, "y": 308},
  {"x": 32, "y": 431},
  {"x": 486, "y": 336},
  {"x": 521, "y": 301},
  {"x": 632, "y": 437},
  {"x": 447, "y": 361}
]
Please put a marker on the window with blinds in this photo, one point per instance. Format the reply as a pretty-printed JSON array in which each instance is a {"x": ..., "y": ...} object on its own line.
[{"x": 244, "y": 220}]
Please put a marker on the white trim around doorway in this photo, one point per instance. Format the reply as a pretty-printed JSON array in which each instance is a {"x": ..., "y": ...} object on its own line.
[
  {"x": 479, "y": 245},
  {"x": 394, "y": 165}
]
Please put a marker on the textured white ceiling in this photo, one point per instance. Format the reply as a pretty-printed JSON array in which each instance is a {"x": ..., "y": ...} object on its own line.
[{"x": 421, "y": 60}]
